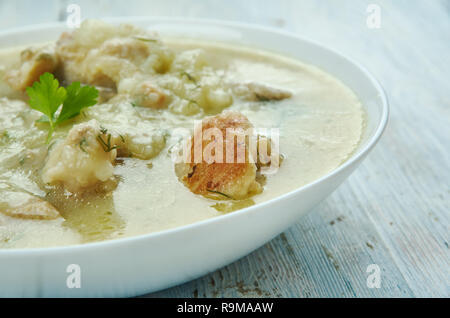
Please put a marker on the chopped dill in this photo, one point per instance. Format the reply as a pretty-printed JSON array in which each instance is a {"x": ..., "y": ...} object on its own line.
[
  {"x": 5, "y": 137},
  {"x": 261, "y": 98},
  {"x": 145, "y": 39},
  {"x": 106, "y": 144},
  {"x": 103, "y": 130},
  {"x": 192, "y": 101},
  {"x": 83, "y": 143},
  {"x": 189, "y": 76}
]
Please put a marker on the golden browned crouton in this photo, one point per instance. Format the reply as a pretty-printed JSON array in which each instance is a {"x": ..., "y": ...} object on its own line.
[{"x": 222, "y": 180}]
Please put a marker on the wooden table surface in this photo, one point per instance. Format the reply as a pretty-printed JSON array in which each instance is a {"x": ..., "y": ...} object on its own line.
[{"x": 394, "y": 210}]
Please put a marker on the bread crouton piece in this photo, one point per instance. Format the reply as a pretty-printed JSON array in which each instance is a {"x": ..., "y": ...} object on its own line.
[{"x": 222, "y": 180}]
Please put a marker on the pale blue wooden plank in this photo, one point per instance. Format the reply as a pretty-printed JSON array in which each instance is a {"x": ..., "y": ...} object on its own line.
[{"x": 321, "y": 256}]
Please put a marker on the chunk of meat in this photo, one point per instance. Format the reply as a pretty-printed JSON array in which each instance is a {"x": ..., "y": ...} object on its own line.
[
  {"x": 255, "y": 91},
  {"x": 132, "y": 49},
  {"x": 100, "y": 66},
  {"x": 222, "y": 180},
  {"x": 83, "y": 159},
  {"x": 143, "y": 145},
  {"x": 26, "y": 206},
  {"x": 102, "y": 55},
  {"x": 150, "y": 95},
  {"x": 34, "y": 63}
]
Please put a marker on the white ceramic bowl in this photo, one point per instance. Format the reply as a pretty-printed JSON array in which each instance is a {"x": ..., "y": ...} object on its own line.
[{"x": 142, "y": 264}]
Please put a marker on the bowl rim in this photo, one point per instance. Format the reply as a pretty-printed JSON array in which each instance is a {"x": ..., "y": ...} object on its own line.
[{"x": 118, "y": 242}]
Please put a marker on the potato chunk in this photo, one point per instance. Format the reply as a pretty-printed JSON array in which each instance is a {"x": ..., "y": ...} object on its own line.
[
  {"x": 226, "y": 180},
  {"x": 83, "y": 159},
  {"x": 25, "y": 206},
  {"x": 34, "y": 63}
]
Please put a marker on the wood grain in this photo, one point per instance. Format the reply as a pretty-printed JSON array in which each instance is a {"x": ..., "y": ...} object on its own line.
[{"x": 394, "y": 210}]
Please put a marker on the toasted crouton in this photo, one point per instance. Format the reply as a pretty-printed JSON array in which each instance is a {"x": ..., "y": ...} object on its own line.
[{"x": 222, "y": 180}]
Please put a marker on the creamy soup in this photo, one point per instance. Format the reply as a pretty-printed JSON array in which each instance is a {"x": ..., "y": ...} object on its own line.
[{"x": 108, "y": 172}]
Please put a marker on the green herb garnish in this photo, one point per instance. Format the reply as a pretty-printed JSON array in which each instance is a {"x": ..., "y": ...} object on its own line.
[
  {"x": 106, "y": 144},
  {"x": 5, "y": 136},
  {"x": 145, "y": 39},
  {"x": 46, "y": 96},
  {"x": 103, "y": 130},
  {"x": 192, "y": 101},
  {"x": 189, "y": 76},
  {"x": 83, "y": 143}
]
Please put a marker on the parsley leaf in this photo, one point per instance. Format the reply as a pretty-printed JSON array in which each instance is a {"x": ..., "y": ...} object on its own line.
[
  {"x": 77, "y": 98},
  {"x": 46, "y": 96}
]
